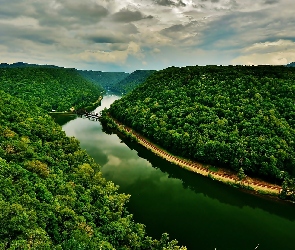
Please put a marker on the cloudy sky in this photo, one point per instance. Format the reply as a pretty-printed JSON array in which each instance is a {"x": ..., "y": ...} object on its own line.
[{"x": 125, "y": 35}]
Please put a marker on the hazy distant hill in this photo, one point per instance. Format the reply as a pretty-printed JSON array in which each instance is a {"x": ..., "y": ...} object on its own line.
[
  {"x": 103, "y": 79},
  {"x": 26, "y": 65},
  {"x": 132, "y": 81}
]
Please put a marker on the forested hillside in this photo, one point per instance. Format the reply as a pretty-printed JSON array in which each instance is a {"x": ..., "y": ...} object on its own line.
[
  {"x": 131, "y": 81},
  {"x": 53, "y": 195},
  {"x": 49, "y": 88},
  {"x": 228, "y": 116},
  {"x": 103, "y": 79}
]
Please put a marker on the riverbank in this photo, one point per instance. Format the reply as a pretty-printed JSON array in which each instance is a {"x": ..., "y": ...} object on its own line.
[
  {"x": 223, "y": 175},
  {"x": 94, "y": 104},
  {"x": 73, "y": 110}
]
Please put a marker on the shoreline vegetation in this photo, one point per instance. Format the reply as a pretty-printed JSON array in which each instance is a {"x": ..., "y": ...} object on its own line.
[
  {"x": 225, "y": 176},
  {"x": 73, "y": 110},
  {"x": 94, "y": 104}
]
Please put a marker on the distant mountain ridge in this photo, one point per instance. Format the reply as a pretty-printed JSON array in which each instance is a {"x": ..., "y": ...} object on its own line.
[
  {"x": 131, "y": 82},
  {"x": 117, "y": 82},
  {"x": 26, "y": 65},
  {"x": 103, "y": 79}
]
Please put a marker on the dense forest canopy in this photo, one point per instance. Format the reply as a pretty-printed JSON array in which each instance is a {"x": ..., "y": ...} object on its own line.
[
  {"x": 228, "y": 116},
  {"x": 49, "y": 88},
  {"x": 103, "y": 79},
  {"x": 53, "y": 195},
  {"x": 131, "y": 81}
]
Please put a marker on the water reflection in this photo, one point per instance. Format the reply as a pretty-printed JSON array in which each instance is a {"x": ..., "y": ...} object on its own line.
[
  {"x": 199, "y": 212},
  {"x": 201, "y": 184},
  {"x": 63, "y": 119},
  {"x": 209, "y": 208}
]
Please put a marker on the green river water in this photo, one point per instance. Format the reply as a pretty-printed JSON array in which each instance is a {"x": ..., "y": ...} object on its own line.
[{"x": 200, "y": 213}]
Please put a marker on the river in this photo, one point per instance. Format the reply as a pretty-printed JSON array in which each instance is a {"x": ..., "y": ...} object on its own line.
[{"x": 197, "y": 211}]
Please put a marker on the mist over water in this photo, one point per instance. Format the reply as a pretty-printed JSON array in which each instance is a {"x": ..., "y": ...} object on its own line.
[{"x": 199, "y": 212}]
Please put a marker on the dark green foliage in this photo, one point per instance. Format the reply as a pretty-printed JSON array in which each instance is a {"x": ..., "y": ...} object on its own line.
[
  {"x": 53, "y": 195},
  {"x": 292, "y": 64},
  {"x": 288, "y": 188},
  {"x": 49, "y": 88},
  {"x": 131, "y": 82},
  {"x": 241, "y": 174},
  {"x": 103, "y": 79},
  {"x": 105, "y": 119},
  {"x": 235, "y": 116},
  {"x": 110, "y": 124}
]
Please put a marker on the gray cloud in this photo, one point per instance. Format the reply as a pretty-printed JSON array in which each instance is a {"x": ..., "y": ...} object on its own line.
[
  {"x": 172, "y": 29},
  {"x": 181, "y": 32},
  {"x": 12, "y": 9},
  {"x": 84, "y": 11},
  {"x": 217, "y": 5},
  {"x": 271, "y": 1},
  {"x": 236, "y": 30},
  {"x": 118, "y": 46},
  {"x": 54, "y": 13},
  {"x": 212, "y": 1},
  {"x": 68, "y": 13},
  {"x": 116, "y": 34},
  {"x": 129, "y": 28},
  {"x": 107, "y": 38},
  {"x": 13, "y": 34},
  {"x": 170, "y": 3},
  {"x": 126, "y": 16}
]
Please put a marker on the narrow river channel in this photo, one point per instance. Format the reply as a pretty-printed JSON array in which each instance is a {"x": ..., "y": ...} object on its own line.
[{"x": 200, "y": 213}]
